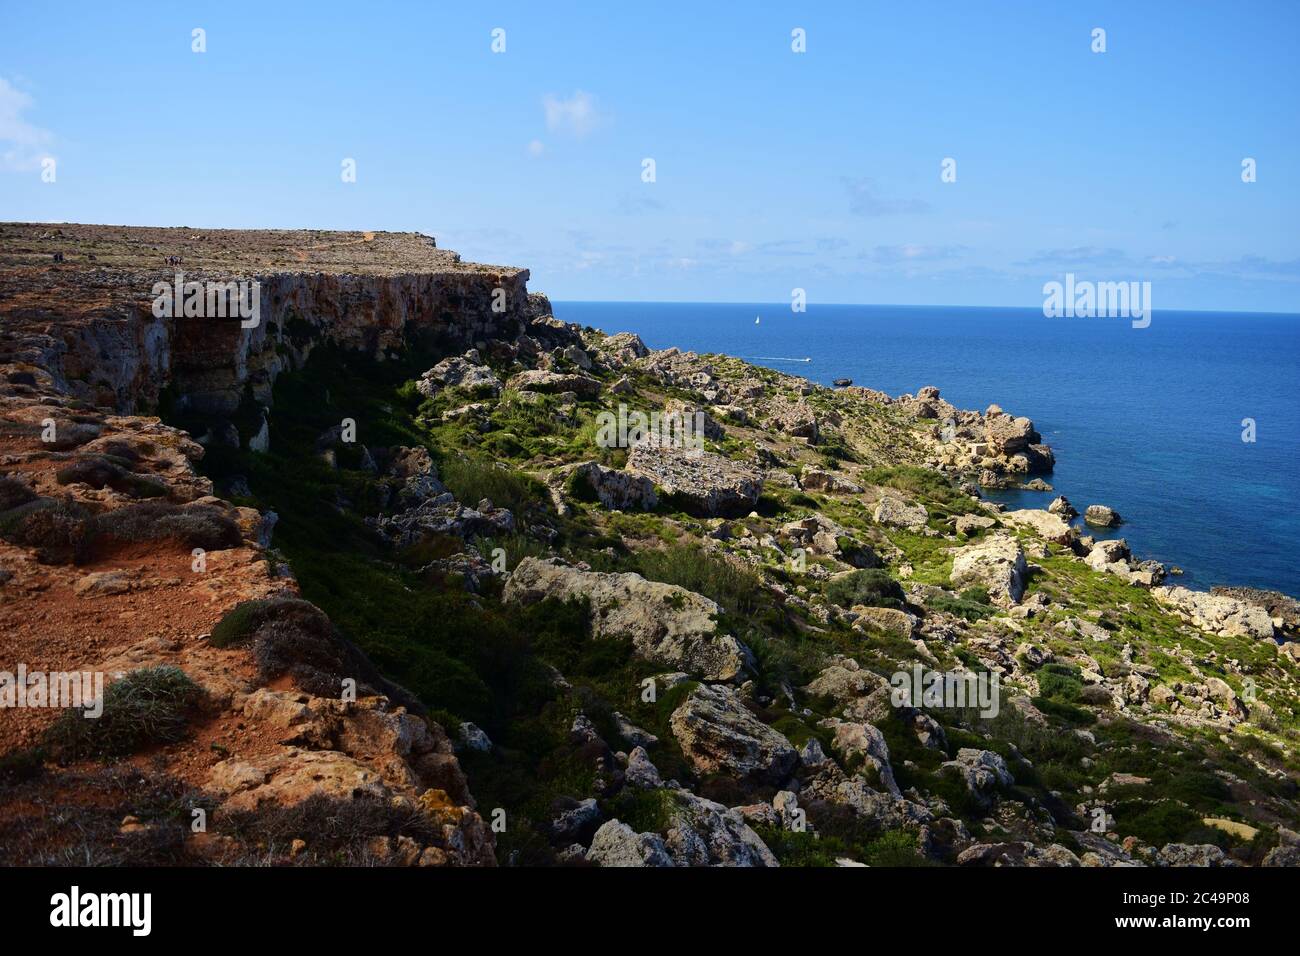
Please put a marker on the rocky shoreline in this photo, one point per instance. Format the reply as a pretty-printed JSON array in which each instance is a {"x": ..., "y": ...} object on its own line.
[{"x": 693, "y": 650}]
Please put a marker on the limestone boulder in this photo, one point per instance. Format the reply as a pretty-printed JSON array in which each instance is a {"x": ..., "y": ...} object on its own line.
[
  {"x": 554, "y": 383},
  {"x": 615, "y": 489},
  {"x": 1216, "y": 613},
  {"x": 666, "y": 624},
  {"x": 719, "y": 734},
  {"x": 995, "y": 563},
  {"x": 702, "y": 483},
  {"x": 898, "y": 513}
]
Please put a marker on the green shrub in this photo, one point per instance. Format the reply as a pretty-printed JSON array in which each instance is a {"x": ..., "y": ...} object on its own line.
[
  {"x": 241, "y": 621},
  {"x": 14, "y": 492},
  {"x": 1165, "y": 821},
  {"x": 19, "y": 766},
  {"x": 579, "y": 487},
  {"x": 923, "y": 483},
  {"x": 1060, "y": 682},
  {"x": 149, "y": 706},
  {"x": 972, "y": 604},
  {"x": 734, "y": 587},
  {"x": 294, "y": 637},
  {"x": 471, "y": 480},
  {"x": 872, "y": 587}
]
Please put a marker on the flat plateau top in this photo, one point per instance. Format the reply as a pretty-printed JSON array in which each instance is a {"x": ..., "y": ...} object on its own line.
[{"x": 101, "y": 264}]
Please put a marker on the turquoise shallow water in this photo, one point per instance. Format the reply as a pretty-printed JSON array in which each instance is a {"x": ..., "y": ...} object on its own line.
[{"x": 1148, "y": 421}]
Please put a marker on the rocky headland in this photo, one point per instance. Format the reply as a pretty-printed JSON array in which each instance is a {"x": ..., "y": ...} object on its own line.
[{"x": 369, "y": 588}]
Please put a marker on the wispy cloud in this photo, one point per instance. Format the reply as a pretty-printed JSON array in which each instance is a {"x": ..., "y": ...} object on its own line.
[
  {"x": 864, "y": 201},
  {"x": 1079, "y": 256},
  {"x": 637, "y": 203},
  {"x": 22, "y": 144},
  {"x": 576, "y": 115},
  {"x": 912, "y": 252},
  {"x": 1248, "y": 267}
]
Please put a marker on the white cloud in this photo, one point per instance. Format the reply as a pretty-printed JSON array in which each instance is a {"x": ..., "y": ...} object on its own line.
[
  {"x": 576, "y": 115},
  {"x": 536, "y": 147},
  {"x": 22, "y": 145}
]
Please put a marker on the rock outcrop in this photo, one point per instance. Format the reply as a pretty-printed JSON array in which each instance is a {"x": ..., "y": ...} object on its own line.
[
  {"x": 703, "y": 483},
  {"x": 1217, "y": 614},
  {"x": 996, "y": 563},
  {"x": 666, "y": 624},
  {"x": 718, "y": 734}
]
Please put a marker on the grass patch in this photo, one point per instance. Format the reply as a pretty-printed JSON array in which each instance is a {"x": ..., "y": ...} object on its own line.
[{"x": 149, "y": 706}]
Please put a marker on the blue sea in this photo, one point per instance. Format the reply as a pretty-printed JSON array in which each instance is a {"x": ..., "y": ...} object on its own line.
[{"x": 1148, "y": 421}]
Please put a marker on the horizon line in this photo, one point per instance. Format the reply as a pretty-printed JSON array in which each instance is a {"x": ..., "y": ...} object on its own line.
[{"x": 882, "y": 305}]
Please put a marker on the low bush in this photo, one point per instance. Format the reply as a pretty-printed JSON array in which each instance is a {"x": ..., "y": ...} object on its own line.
[
  {"x": 56, "y": 529},
  {"x": 872, "y": 587},
  {"x": 972, "y": 604},
  {"x": 195, "y": 526},
  {"x": 294, "y": 637},
  {"x": 922, "y": 483},
  {"x": 735, "y": 588},
  {"x": 149, "y": 706},
  {"x": 100, "y": 471},
  {"x": 14, "y": 492},
  {"x": 471, "y": 480}
]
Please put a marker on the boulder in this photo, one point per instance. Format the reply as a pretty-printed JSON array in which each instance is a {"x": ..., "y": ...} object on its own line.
[
  {"x": 995, "y": 563},
  {"x": 844, "y": 680},
  {"x": 632, "y": 733},
  {"x": 796, "y": 419},
  {"x": 1283, "y": 609},
  {"x": 1193, "y": 854},
  {"x": 622, "y": 349},
  {"x": 863, "y": 743},
  {"x": 1061, "y": 506},
  {"x": 983, "y": 772},
  {"x": 1101, "y": 516},
  {"x": 666, "y": 624},
  {"x": 700, "y": 483},
  {"x": 1050, "y": 527},
  {"x": 554, "y": 383},
  {"x": 705, "y": 833},
  {"x": 617, "y": 844},
  {"x": 1007, "y": 436},
  {"x": 640, "y": 772},
  {"x": 443, "y": 515},
  {"x": 970, "y": 524},
  {"x": 694, "y": 420},
  {"x": 815, "y": 479},
  {"x": 615, "y": 489},
  {"x": 719, "y": 734},
  {"x": 886, "y": 619},
  {"x": 1216, "y": 613},
  {"x": 899, "y": 514},
  {"x": 458, "y": 372}
]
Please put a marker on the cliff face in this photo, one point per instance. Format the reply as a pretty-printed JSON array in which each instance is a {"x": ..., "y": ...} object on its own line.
[{"x": 78, "y": 305}]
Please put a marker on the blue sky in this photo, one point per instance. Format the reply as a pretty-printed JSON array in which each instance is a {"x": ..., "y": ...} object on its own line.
[{"x": 774, "y": 170}]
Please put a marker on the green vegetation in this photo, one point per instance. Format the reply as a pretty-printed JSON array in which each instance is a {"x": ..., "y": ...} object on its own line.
[
  {"x": 872, "y": 587},
  {"x": 149, "y": 706},
  {"x": 469, "y": 656},
  {"x": 972, "y": 604},
  {"x": 925, "y": 484}
]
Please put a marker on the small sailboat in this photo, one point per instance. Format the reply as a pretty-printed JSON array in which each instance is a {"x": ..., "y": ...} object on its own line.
[{"x": 757, "y": 320}]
